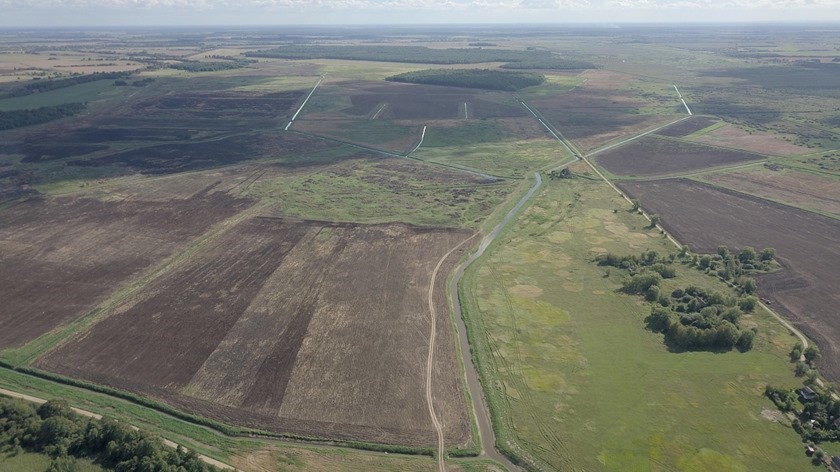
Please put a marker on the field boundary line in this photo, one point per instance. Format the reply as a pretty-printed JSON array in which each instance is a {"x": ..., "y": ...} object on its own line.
[
  {"x": 97, "y": 416},
  {"x": 294, "y": 117},
  {"x": 431, "y": 357},
  {"x": 633, "y": 138}
]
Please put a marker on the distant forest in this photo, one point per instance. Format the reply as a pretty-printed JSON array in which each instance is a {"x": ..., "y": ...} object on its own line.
[
  {"x": 529, "y": 59},
  {"x": 471, "y": 78},
  {"x": 19, "y": 118},
  {"x": 38, "y": 86}
]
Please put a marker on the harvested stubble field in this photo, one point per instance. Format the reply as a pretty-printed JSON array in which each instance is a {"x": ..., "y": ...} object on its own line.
[
  {"x": 318, "y": 329},
  {"x": 800, "y": 189},
  {"x": 753, "y": 141},
  {"x": 660, "y": 156},
  {"x": 687, "y": 127},
  {"x": 807, "y": 245},
  {"x": 88, "y": 248}
]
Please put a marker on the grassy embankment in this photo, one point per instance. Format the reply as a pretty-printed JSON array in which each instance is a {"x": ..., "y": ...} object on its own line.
[{"x": 578, "y": 381}]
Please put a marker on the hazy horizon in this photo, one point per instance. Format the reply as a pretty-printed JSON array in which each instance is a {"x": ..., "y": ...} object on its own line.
[{"x": 87, "y": 13}]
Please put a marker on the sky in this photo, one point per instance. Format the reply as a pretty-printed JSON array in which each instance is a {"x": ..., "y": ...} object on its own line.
[{"x": 26, "y": 13}]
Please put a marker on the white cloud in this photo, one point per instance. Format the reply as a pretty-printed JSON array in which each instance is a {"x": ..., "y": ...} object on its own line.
[{"x": 185, "y": 12}]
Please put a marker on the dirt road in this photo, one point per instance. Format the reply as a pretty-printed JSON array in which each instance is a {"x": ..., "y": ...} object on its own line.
[{"x": 482, "y": 414}]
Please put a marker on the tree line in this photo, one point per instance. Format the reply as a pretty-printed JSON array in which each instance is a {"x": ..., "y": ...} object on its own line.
[
  {"x": 54, "y": 429},
  {"x": 471, "y": 78},
  {"x": 39, "y": 86},
  {"x": 19, "y": 118},
  {"x": 210, "y": 66}
]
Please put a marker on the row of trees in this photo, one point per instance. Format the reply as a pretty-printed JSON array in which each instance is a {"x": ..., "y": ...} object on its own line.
[
  {"x": 19, "y": 118},
  {"x": 471, "y": 78},
  {"x": 210, "y": 66},
  {"x": 54, "y": 429},
  {"x": 54, "y": 84},
  {"x": 136, "y": 83}
]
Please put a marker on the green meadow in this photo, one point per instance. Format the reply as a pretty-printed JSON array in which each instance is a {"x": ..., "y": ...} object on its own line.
[{"x": 578, "y": 383}]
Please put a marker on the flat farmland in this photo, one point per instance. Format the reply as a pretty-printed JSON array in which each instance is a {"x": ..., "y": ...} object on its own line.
[
  {"x": 402, "y": 101},
  {"x": 819, "y": 193},
  {"x": 58, "y": 258},
  {"x": 604, "y": 107},
  {"x": 391, "y": 115},
  {"x": 379, "y": 134},
  {"x": 317, "y": 329},
  {"x": 807, "y": 245},
  {"x": 687, "y": 127},
  {"x": 659, "y": 156},
  {"x": 753, "y": 141}
]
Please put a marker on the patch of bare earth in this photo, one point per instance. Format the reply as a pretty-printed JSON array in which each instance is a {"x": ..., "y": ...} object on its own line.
[
  {"x": 800, "y": 189},
  {"x": 652, "y": 155},
  {"x": 807, "y": 245},
  {"x": 316, "y": 329},
  {"x": 59, "y": 257},
  {"x": 760, "y": 142}
]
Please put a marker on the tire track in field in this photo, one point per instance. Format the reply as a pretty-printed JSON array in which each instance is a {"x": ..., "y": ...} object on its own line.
[{"x": 517, "y": 377}]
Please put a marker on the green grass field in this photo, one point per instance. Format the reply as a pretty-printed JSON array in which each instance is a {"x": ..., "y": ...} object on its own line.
[
  {"x": 384, "y": 190},
  {"x": 508, "y": 159},
  {"x": 580, "y": 384}
]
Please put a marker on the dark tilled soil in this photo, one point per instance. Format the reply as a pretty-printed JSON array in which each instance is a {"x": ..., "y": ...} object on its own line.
[
  {"x": 310, "y": 328},
  {"x": 650, "y": 156},
  {"x": 59, "y": 258}
]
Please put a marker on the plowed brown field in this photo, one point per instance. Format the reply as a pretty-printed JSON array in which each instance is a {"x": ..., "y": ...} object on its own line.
[
  {"x": 658, "y": 156},
  {"x": 59, "y": 257},
  {"x": 807, "y": 245},
  {"x": 311, "y": 328}
]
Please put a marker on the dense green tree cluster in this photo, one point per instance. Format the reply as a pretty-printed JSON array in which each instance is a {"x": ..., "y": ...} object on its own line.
[
  {"x": 691, "y": 318},
  {"x": 19, "y": 118},
  {"x": 732, "y": 266},
  {"x": 54, "y": 429},
  {"x": 648, "y": 259},
  {"x": 471, "y": 78},
  {"x": 714, "y": 327},
  {"x": 39, "y": 86}
]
